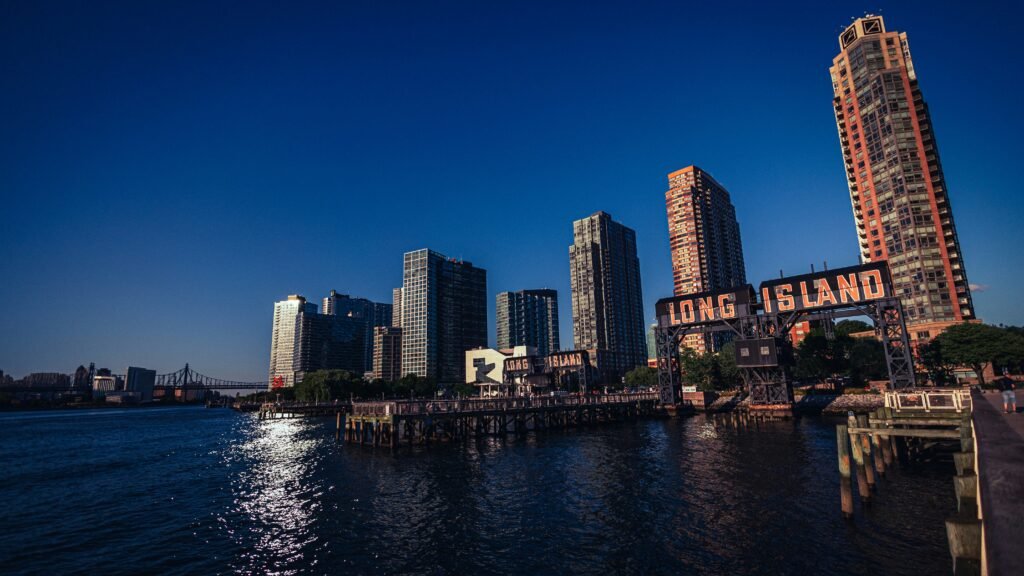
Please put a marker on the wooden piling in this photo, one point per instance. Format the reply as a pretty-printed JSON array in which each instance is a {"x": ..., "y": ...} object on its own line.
[
  {"x": 884, "y": 442},
  {"x": 876, "y": 451},
  {"x": 845, "y": 483},
  {"x": 856, "y": 449},
  {"x": 865, "y": 446}
]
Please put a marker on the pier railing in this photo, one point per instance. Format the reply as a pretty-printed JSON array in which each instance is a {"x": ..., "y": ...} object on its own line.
[
  {"x": 422, "y": 407},
  {"x": 927, "y": 400}
]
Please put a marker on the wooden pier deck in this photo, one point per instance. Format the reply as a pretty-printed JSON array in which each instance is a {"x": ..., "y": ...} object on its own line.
[
  {"x": 984, "y": 532},
  {"x": 424, "y": 421},
  {"x": 276, "y": 410}
]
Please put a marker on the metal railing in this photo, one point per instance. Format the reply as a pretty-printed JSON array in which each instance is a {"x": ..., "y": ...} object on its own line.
[
  {"x": 927, "y": 400},
  {"x": 423, "y": 407}
]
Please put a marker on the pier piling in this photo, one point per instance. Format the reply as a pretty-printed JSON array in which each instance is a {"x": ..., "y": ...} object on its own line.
[
  {"x": 845, "y": 482},
  {"x": 865, "y": 447},
  {"x": 858, "y": 459}
]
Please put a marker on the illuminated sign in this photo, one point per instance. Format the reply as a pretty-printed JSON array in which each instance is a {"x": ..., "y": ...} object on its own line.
[
  {"x": 817, "y": 291},
  {"x": 828, "y": 289},
  {"x": 519, "y": 365},
  {"x": 706, "y": 307},
  {"x": 278, "y": 382},
  {"x": 576, "y": 359}
]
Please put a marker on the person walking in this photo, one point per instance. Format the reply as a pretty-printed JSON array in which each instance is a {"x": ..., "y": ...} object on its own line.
[{"x": 1008, "y": 387}]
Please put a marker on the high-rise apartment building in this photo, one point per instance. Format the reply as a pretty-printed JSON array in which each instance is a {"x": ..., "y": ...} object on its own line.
[
  {"x": 444, "y": 313},
  {"x": 704, "y": 239},
  {"x": 285, "y": 338},
  {"x": 387, "y": 353},
  {"x": 897, "y": 190},
  {"x": 607, "y": 303},
  {"x": 396, "y": 307},
  {"x": 373, "y": 314},
  {"x": 528, "y": 318},
  {"x": 332, "y": 342}
]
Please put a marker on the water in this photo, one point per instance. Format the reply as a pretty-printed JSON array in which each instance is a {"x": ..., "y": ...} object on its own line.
[{"x": 211, "y": 491}]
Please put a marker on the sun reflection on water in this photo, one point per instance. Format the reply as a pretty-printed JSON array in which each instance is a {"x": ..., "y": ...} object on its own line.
[{"x": 276, "y": 495}]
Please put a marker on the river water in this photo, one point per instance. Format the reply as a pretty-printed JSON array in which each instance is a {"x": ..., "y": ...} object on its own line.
[{"x": 211, "y": 491}]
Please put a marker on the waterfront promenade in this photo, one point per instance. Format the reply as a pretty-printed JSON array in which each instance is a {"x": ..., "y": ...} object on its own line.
[{"x": 999, "y": 441}]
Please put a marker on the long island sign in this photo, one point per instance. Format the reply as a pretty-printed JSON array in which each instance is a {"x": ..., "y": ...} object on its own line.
[{"x": 825, "y": 290}]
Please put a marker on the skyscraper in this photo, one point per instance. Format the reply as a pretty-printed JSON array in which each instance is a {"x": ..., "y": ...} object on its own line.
[
  {"x": 897, "y": 190},
  {"x": 285, "y": 338},
  {"x": 704, "y": 239},
  {"x": 396, "y": 307},
  {"x": 607, "y": 304},
  {"x": 528, "y": 318},
  {"x": 444, "y": 313},
  {"x": 373, "y": 314},
  {"x": 332, "y": 342}
]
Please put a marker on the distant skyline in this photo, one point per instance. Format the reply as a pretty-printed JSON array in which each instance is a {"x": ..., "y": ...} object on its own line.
[{"x": 168, "y": 172}]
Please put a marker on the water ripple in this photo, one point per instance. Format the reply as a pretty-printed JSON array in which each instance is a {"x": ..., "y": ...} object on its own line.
[{"x": 196, "y": 491}]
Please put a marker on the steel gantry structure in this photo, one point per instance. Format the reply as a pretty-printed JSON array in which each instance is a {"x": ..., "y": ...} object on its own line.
[{"x": 761, "y": 329}]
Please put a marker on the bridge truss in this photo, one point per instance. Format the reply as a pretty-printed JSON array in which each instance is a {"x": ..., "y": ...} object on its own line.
[{"x": 187, "y": 378}]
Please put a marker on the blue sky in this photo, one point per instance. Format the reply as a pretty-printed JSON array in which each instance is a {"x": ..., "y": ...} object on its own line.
[{"x": 169, "y": 170}]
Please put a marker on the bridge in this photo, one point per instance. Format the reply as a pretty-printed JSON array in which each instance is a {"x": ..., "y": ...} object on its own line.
[{"x": 189, "y": 379}]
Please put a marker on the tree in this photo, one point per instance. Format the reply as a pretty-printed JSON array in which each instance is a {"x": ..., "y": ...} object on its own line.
[
  {"x": 693, "y": 367},
  {"x": 326, "y": 385},
  {"x": 866, "y": 360},
  {"x": 818, "y": 358},
  {"x": 929, "y": 355},
  {"x": 979, "y": 345},
  {"x": 313, "y": 388},
  {"x": 642, "y": 377},
  {"x": 463, "y": 389},
  {"x": 704, "y": 370},
  {"x": 414, "y": 385},
  {"x": 847, "y": 327},
  {"x": 727, "y": 365}
]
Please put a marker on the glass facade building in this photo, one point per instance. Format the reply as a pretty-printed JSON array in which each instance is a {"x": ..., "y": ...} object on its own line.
[
  {"x": 285, "y": 337},
  {"x": 528, "y": 318},
  {"x": 444, "y": 313},
  {"x": 372, "y": 315},
  {"x": 607, "y": 303},
  {"x": 898, "y": 193}
]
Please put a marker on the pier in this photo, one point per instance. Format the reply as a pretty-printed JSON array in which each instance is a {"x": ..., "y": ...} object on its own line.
[
  {"x": 409, "y": 422},
  {"x": 276, "y": 410},
  {"x": 989, "y": 467}
]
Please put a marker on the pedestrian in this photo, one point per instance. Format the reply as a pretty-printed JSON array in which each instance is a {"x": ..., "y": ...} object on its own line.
[{"x": 1007, "y": 386}]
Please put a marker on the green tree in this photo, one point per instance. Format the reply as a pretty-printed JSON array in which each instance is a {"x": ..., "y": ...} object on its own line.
[
  {"x": 326, "y": 385},
  {"x": 818, "y": 358},
  {"x": 929, "y": 355},
  {"x": 727, "y": 365},
  {"x": 642, "y": 377},
  {"x": 847, "y": 327},
  {"x": 463, "y": 389},
  {"x": 313, "y": 388},
  {"x": 413, "y": 385},
  {"x": 979, "y": 345},
  {"x": 700, "y": 370},
  {"x": 866, "y": 359}
]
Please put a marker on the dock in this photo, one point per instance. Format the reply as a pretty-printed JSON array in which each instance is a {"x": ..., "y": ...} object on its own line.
[
  {"x": 278, "y": 410},
  {"x": 410, "y": 422},
  {"x": 989, "y": 465}
]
